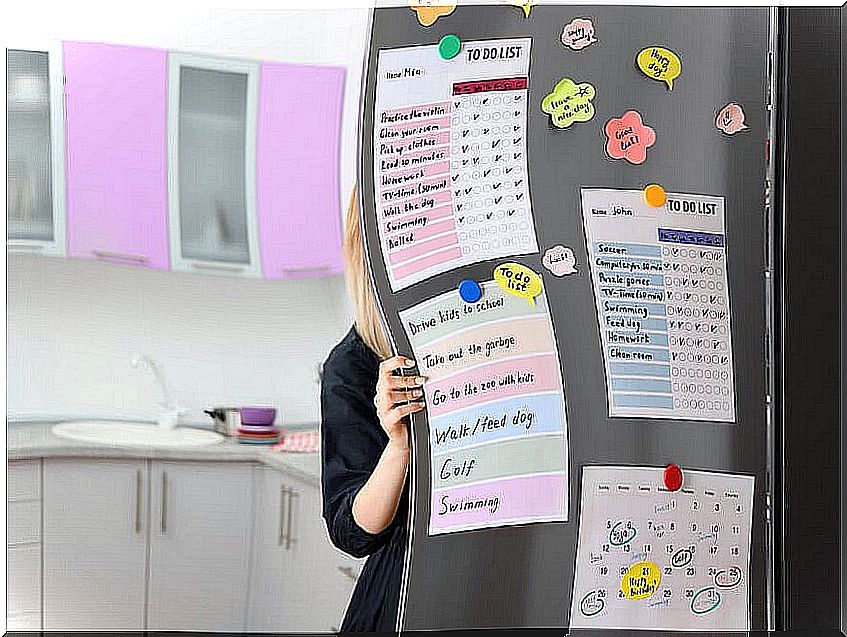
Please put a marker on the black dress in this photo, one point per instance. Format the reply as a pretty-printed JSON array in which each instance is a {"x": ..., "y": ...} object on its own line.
[{"x": 352, "y": 441}]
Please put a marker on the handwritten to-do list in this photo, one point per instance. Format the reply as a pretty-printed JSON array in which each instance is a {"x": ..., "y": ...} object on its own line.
[
  {"x": 495, "y": 401},
  {"x": 653, "y": 559},
  {"x": 660, "y": 285},
  {"x": 450, "y": 168}
]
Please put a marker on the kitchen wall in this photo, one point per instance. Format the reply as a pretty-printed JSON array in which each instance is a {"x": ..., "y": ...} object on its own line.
[{"x": 73, "y": 327}]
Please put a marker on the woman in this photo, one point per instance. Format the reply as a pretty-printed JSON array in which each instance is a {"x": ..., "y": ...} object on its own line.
[{"x": 365, "y": 404}]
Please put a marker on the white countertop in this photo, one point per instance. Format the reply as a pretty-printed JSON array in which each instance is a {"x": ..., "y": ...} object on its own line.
[{"x": 34, "y": 440}]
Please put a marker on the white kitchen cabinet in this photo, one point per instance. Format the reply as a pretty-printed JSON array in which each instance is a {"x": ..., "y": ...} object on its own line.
[
  {"x": 23, "y": 545},
  {"x": 212, "y": 123},
  {"x": 95, "y": 544},
  {"x": 199, "y": 545},
  {"x": 35, "y": 168},
  {"x": 300, "y": 582}
]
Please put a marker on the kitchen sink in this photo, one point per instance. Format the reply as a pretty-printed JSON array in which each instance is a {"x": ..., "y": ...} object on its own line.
[{"x": 134, "y": 434}]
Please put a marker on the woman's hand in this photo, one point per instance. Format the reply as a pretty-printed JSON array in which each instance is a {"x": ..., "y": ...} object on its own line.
[{"x": 397, "y": 397}]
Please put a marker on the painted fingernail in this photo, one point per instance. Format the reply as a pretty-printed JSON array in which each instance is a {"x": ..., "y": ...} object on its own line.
[
  {"x": 416, "y": 393},
  {"x": 410, "y": 362},
  {"x": 419, "y": 380}
]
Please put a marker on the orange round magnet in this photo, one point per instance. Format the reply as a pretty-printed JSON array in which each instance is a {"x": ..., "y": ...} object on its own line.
[{"x": 655, "y": 195}]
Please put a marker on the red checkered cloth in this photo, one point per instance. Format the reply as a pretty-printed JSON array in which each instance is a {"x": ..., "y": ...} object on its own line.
[{"x": 299, "y": 442}]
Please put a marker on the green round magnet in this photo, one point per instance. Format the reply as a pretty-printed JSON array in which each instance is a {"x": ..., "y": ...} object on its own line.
[{"x": 449, "y": 46}]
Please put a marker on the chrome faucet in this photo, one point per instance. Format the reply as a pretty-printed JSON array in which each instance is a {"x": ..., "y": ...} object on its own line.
[{"x": 169, "y": 416}]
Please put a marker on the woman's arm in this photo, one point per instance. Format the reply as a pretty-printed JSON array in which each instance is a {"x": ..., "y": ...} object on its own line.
[{"x": 375, "y": 505}]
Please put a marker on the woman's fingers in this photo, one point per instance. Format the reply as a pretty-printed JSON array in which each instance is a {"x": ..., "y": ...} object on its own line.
[
  {"x": 398, "y": 412},
  {"x": 387, "y": 366},
  {"x": 403, "y": 382},
  {"x": 404, "y": 396}
]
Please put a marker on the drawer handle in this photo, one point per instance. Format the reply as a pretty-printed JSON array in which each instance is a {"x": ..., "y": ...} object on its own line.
[{"x": 120, "y": 256}]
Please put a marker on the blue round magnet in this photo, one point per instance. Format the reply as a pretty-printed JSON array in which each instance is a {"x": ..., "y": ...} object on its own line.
[{"x": 470, "y": 291}]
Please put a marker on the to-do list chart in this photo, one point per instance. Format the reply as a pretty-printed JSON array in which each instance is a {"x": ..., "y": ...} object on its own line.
[
  {"x": 450, "y": 169},
  {"x": 652, "y": 559},
  {"x": 496, "y": 408},
  {"x": 660, "y": 285}
]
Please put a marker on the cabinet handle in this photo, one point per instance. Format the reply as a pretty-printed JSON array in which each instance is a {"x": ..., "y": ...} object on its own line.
[
  {"x": 120, "y": 256},
  {"x": 207, "y": 265},
  {"x": 25, "y": 246},
  {"x": 138, "y": 501},
  {"x": 312, "y": 268},
  {"x": 164, "y": 502},
  {"x": 283, "y": 495},
  {"x": 289, "y": 539}
]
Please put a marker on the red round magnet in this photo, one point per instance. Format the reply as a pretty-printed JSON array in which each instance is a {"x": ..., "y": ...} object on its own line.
[{"x": 673, "y": 477}]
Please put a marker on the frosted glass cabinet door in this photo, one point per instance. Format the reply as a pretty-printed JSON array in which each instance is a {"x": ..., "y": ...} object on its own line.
[
  {"x": 35, "y": 214},
  {"x": 212, "y": 148}
]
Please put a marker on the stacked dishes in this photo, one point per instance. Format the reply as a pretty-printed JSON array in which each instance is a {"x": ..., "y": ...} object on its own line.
[{"x": 257, "y": 426}]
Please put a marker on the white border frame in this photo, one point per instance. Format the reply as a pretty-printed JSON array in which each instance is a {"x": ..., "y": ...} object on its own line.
[
  {"x": 179, "y": 262},
  {"x": 58, "y": 148}
]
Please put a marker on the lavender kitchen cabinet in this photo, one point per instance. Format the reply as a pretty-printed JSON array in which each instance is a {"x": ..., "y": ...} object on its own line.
[
  {"x": 116, "y": 122},
  {"x": 297, "y": 170}
]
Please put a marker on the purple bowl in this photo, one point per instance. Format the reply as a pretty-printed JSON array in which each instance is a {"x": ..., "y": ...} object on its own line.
[{"x": 258, "y": 415}]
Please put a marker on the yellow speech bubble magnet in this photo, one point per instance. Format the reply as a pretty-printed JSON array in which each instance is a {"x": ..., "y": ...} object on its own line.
[
  {"x": 660, "y": 64},
  {"x": 518, "y": 280},
  {"x": 641, "y": 580}
]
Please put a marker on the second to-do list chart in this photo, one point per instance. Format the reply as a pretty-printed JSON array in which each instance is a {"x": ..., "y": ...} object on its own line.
[
  {"x": 660, "y": 284},
  {"x": 496, "y": 407},
  {"x": 450, "y": 168}
]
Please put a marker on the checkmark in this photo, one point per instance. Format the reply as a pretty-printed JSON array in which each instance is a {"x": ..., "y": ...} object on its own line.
[
  {"x": 485, "y": 131},
  {"x": 511, "y": 212},
  {"x": 457, "y": 104},
  {"x": 485, "y": 101},
  {"x": 516, "y": 140},
  {"x": 508, "y": 170},
  {"x": 468, "y": 191},
  {"x": 518, "y": 182},
  {"x": 518, "y": 155},
  {"x": 457, "y": 193},
  {"x": 465, "y": 133},
  {"x": 489, "y": 215},
  {"x": 495, "y": 144},
  {"x": 476, "y": 160},
  {"x": 464, "y": 162},
  {"x": 518, "y": 98},
  {"x": 496, "y": 186},
  {"x": 517, "y": 127},
  {"x": 455, "y": 177},
  {"x": 498, "y": 158},
  {"x": 498, "y": 199},
  {"x": 517, "y": 113},
  {"x": 459, "y": 206},
  {"x": 519, "y": 197},
  {"x": 461, "y": 219},
  {"x": 485, "y": 174},
  {"x": 465, "y": 148},
  {"x": 475, "y": 117}
]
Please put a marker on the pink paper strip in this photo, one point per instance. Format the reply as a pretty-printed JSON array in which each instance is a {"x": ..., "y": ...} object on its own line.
[
  {"x": 525, "y": 499},
  {"x": 539, "y": 374}
]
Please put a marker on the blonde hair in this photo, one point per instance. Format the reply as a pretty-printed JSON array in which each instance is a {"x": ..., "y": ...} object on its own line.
[{"x": 368, "y": 319}]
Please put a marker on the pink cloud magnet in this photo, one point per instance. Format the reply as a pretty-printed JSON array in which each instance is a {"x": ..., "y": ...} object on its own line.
[{"x": 628, "y": 137}]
